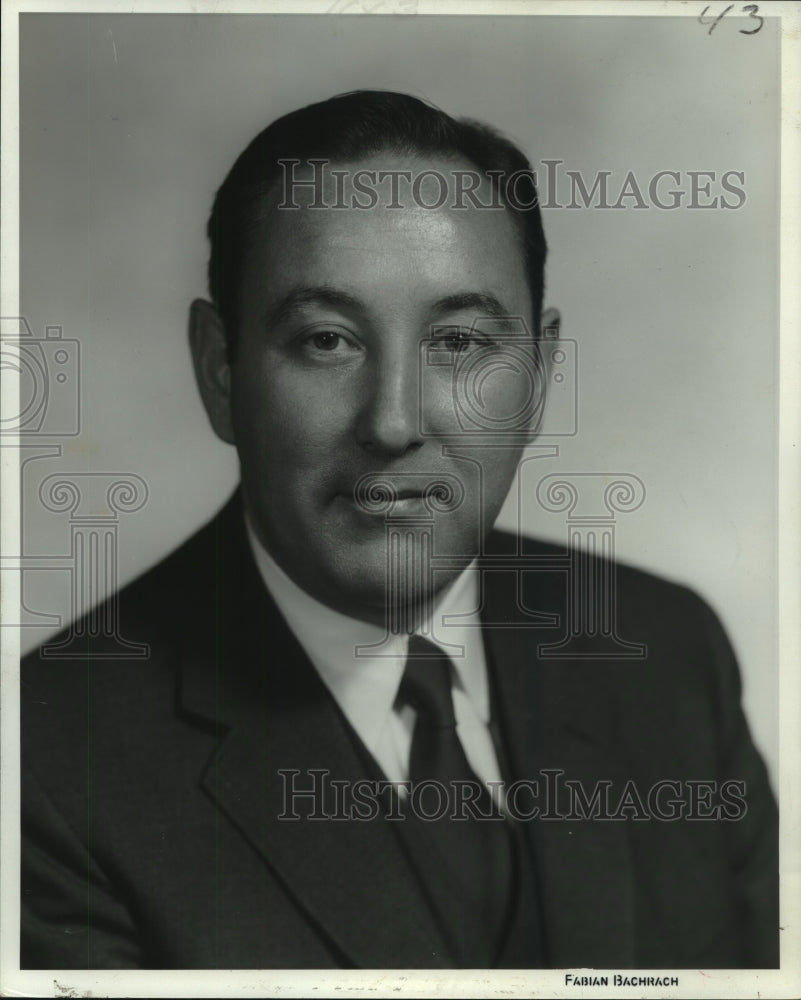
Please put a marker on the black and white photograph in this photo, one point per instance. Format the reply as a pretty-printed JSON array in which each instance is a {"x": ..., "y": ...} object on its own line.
[{"x": 400, "y": 553}]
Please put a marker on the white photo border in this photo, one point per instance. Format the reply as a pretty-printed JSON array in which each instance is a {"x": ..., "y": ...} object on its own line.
[{"x": 784, "y": 982}]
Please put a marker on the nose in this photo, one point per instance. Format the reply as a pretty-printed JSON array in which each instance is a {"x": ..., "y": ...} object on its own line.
[{"x": 388, "y": 423}]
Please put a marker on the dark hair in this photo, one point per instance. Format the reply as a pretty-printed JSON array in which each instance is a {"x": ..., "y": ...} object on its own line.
[{"x": 348, "y": 127}]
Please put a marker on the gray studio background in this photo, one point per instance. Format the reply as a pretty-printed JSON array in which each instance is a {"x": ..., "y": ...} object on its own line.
[{"x": 128, "y": 124}]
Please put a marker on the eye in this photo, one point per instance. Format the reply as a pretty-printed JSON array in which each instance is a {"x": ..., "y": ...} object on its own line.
[
  {"x": 457, "y": 340},
  {"x": 327, "y": 345},
  {"x": 460, "y": 338},
  {"x": 326, "y": 340}
]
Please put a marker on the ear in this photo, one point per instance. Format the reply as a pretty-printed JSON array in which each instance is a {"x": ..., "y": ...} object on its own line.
[
  {"x": 208, "y": 344},
  {"x": 550, "y": 324},
  {"x": 550, "y": 327}
]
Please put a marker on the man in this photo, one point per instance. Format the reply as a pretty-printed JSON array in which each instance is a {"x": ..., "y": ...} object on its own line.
[{"x": 348, "y": 631}]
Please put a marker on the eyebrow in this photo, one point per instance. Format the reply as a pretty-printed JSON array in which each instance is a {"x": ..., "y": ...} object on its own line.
[
  {"x": 483, "y": 302},
  {"x": 298, "y": 298}
]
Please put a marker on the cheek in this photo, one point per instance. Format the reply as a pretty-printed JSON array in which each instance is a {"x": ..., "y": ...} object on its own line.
[
  {"x": 289, "y": 415},
  {"x": 498, "y": 467},
  {"x": 501, "y": 391},
  {"x": 490, "y": 394}
]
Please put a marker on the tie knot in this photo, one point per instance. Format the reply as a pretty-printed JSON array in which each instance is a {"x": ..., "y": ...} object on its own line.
[{"x": 426, "y": 683}]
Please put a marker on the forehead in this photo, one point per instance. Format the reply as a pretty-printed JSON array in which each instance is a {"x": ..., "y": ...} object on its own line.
[{"x": 395, "y": 251}]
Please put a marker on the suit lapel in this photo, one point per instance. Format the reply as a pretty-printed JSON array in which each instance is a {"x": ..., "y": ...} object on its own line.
[
  {"x": 351, "y": 878},
  {"x": 558, "y": 716},
  {"x": 245, "y": 673}
]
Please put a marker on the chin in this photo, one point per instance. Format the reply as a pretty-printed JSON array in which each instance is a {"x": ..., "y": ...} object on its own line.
[{"x": 354, "y": 586}]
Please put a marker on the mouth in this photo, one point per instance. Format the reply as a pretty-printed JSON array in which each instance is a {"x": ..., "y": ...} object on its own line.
[
  {"x": 382, "y": 498},
  {"x": 379, "y": 494},
  {"x": 380, "y": 502}
]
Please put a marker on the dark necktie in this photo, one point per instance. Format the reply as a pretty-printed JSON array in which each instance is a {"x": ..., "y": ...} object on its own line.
[{"x": 470, "y": 857}]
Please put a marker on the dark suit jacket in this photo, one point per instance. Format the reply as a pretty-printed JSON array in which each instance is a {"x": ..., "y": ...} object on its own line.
[{"x": 151, "y": 789}]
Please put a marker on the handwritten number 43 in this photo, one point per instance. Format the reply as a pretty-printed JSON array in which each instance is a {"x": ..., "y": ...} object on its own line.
[{"x": 750, "y": 8}]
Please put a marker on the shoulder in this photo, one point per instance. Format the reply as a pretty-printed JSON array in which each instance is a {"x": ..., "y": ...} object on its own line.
[
  {"x": 639, "y": 591},
  {"x": 120, "y": 658},
  {"x": 150, "y": 609},
  {"x": 100, "y": 704},
  {"x": 685, "y": 654}
]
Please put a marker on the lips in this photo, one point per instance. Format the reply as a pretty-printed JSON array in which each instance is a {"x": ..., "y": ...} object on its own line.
[
  {"x": 403, "y": 485},
  {"x": 380, "y": 500},
  {"x": 384, "y": 492},
  {"x": 378, "y": 494}
]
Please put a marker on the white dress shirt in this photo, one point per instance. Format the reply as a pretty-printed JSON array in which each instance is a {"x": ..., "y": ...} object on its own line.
[{"x": 364, "y": 681}]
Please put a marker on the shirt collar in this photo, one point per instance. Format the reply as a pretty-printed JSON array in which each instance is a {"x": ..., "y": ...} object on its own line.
[{"x": 359, "y": 663}]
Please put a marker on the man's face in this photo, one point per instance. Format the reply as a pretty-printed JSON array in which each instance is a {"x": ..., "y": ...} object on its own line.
[{"x": 331, "y": 384}]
